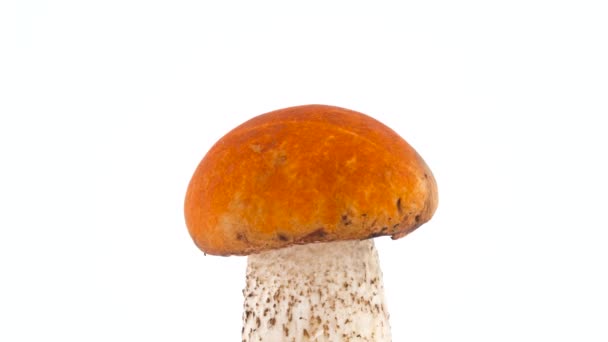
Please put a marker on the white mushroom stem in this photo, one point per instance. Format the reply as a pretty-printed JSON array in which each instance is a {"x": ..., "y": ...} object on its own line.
[{"x": 316, "y": 292}]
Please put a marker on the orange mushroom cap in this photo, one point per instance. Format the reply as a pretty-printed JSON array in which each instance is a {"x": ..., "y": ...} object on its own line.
[{"x": 305, "y": 174}]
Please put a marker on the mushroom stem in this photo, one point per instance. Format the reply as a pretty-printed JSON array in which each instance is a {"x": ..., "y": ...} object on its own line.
[{"x": 316, "y": 292}]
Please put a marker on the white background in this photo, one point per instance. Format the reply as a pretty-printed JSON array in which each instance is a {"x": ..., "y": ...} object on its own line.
[{"x": 106, "y": 108}]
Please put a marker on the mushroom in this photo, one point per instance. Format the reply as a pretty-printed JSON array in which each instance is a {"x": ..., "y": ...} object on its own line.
[{"x": 302, "y": 191}]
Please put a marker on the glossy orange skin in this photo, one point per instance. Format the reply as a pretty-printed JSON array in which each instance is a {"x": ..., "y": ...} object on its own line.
[{"x": 306, "y": 174}]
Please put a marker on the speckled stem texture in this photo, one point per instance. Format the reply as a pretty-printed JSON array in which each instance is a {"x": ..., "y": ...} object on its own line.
[{"x": 316, "y": 292}]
